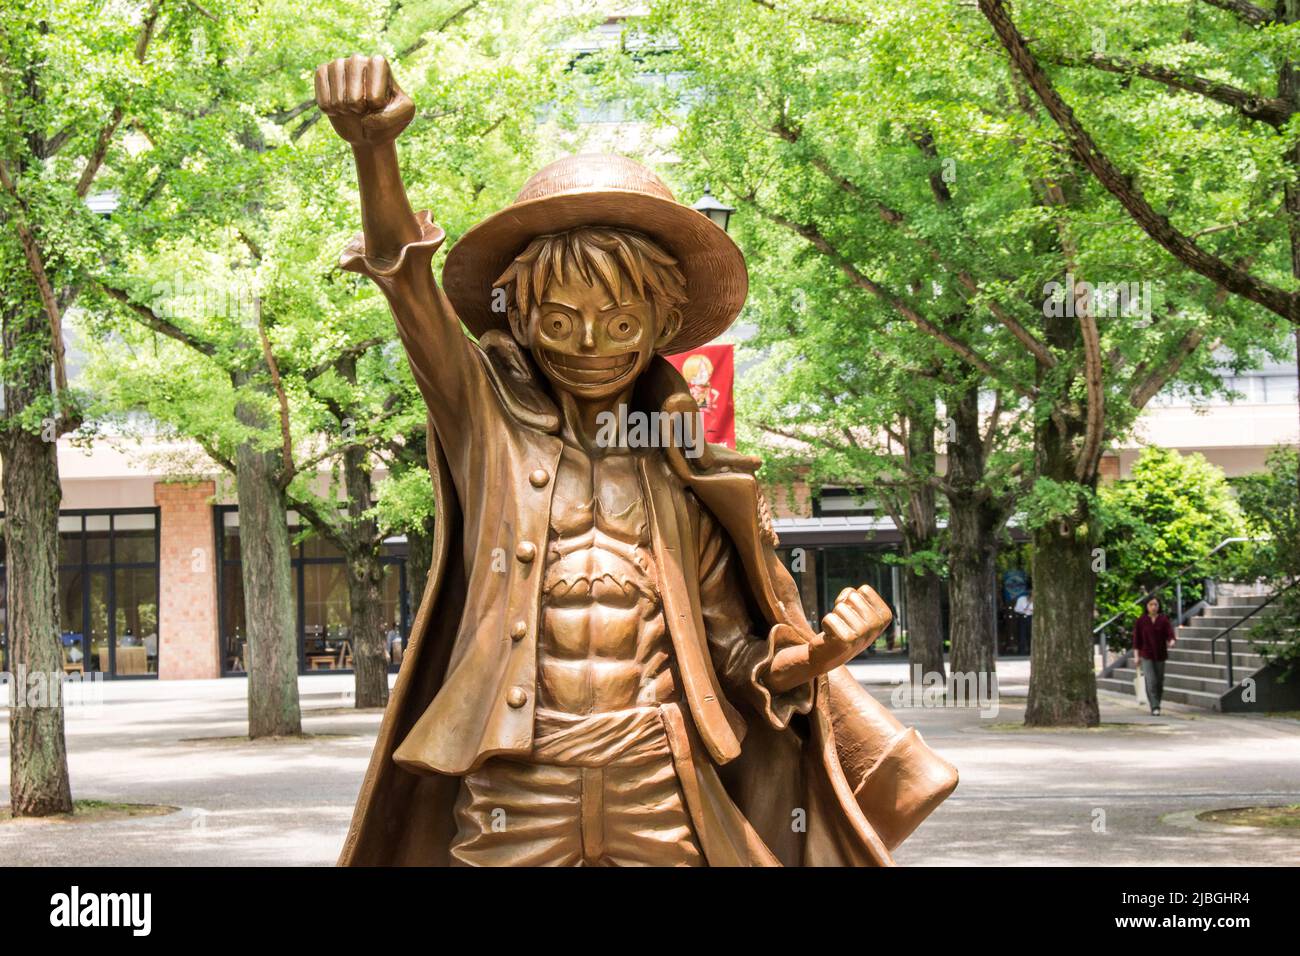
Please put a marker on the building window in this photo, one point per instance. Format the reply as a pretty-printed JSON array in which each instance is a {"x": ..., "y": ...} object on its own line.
[
  {"x": 1279, "y": 389},
  {"x": 107, "y": 593},
  {"x": 848, "y": 567},
  {"x": 844, "y": 503},
  {"x": 321, "y": 597},
  {"x": 821, "y": 572}
]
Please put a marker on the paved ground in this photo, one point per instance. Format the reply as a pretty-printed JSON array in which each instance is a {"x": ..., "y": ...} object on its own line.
[{"x": 1125, "y": 794}]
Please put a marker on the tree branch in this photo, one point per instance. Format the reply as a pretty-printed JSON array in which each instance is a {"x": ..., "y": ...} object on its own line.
[
  {"x": 210, "y": 450},
  {"x": 151, "y": 319},
  {"x": 994, "y": 416},
  {"x": 894, "y": 217},
  {"x": 36, "y": 266},
  {"x": 424, "y": 38},
  {"x": 351, "y": 352},
  {"x": 328, "y": 526},
  {"x": 105, "y": 137},
  {"x": 56, "y": 142},
  {"x": 369, "y": 442},
  {"x": 1252, "y": 14},
  {"x": 1142, "y": 392},
  {"x": 286, "y": 433},
  {"x": 1122, "y": 187},
  {"x": 1042, "y": 355},
  {"x": 1095, "y": 423},
  {"x": 924, "y": 141},
  {"x": 1267, "y": 109},
  {"x": 280, "y": 117},
  {"x": 819, "y": 17},
  {"x": 819, "y": 241}
]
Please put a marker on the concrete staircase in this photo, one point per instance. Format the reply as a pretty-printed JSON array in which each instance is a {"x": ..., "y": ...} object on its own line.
[{"x": 1193, "y": 678}]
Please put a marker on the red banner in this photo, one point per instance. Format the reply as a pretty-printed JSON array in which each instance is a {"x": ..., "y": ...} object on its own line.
[{"x": 710, "y": 371}]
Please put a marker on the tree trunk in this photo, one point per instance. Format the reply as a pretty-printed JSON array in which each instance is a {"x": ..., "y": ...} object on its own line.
[
  {"x": 1062, "y": 685},
  {"x": 419, "y": 562},
  {"x": 924, "y": 593},
  {"x": 38, "y": 760},
  {"x": 924, "y": 587},
  {"x": 972, "y": 598},
  {"x": 269, "y": 607},
  {"x": 370, "y": 667},
  {"x": 1288, "y": 88},
  {"x": 419, "y": 541},
  {"x": 973, "y": 523},
  {"x": 365, "y": 584}
]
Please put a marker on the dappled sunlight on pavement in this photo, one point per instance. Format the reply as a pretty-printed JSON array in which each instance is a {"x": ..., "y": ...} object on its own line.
[{"x": 1126, "y": 793}]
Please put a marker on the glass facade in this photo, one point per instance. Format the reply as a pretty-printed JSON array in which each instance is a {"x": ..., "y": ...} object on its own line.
[
  {"x": 108, "y": 593},
  {"x": 821, "y": 572},
  {"x": 321, "y": 592}
]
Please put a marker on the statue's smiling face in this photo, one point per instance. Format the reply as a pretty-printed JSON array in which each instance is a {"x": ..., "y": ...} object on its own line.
[
  {"x": 593, "y": 304},
  {"x": 589, "y": 343}
]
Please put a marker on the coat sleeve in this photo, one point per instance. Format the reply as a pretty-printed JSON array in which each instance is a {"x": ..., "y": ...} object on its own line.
[
  {"x": 740, "y": 657},
  {"x": 445, "y": 363}
]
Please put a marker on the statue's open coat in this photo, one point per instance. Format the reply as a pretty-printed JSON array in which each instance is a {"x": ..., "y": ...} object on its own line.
[{"x": 843, "y": 784}]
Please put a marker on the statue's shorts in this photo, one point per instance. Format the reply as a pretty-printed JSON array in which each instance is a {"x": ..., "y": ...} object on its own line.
[{"x": 599, "y": 790}]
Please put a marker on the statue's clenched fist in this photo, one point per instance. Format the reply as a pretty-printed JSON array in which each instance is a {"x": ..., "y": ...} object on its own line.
[
  {"x": 859, "y": 617},
  {"x": 363, "y": 102}
]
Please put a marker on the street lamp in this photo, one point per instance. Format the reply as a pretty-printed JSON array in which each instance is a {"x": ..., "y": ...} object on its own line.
[{"x": 719, "y": 213}]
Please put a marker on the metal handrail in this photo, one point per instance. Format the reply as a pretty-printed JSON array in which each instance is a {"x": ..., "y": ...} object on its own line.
[
  {"x": 1227, "y": 631},
  {"x": 1178, "y": 578}
]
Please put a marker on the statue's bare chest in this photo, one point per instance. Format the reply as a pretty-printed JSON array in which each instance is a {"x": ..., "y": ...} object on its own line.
[
  {"x": 603, "y": 642},
  {"x": 598, "y": 494},
  {"x": 600, "y": 536}
]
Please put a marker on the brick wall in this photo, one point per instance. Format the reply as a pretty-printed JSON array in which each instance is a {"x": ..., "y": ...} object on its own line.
[
  {"x": 1109, "y": 468},
  {"x": 789, "y": 500},
  {"x": 187, "y": 602}
]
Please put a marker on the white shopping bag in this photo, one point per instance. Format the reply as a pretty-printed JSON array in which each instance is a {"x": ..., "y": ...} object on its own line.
[{"x": 1140, "y": 687}]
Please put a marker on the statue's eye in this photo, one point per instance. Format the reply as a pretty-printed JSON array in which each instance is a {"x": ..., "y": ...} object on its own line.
[
  {"x": 623, "y": 327},
  {"x": 556, "y": 325}
]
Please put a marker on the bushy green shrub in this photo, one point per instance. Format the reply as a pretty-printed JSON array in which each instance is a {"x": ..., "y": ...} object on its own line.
[
  {"x": 1270, "y": 502},
  {"x": 1171, "y": 512}
]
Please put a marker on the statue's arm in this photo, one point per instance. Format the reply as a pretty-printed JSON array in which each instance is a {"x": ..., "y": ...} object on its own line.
[
  {"x": 776, "y": 672},
  {"x": 368, "y": 110},
  {"x": 859, "y": 616},
  {"x": 742, "y": 659}
]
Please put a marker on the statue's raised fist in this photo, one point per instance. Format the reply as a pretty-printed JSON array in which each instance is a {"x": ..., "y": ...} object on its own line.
[{"x": 361, "y": 99}]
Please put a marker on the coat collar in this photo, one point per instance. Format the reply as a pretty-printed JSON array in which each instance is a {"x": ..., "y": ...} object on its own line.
[{"x": 661, "y": 387}]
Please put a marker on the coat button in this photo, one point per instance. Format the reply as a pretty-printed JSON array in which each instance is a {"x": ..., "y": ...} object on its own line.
[
  {"x": 526, "y": 552},
  {"x": 538, "y": 478},
  {"x": 517, "y": 697},
  {"x": 519, "y": 630}
]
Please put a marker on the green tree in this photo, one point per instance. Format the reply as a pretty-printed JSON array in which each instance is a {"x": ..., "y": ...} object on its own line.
[
  {"x": 299, "y": 375},
  {"x": 1186, "y": 114},
  {"x": 900, "y": 149},
  {"x": 1269, "y": 504},
  {"x": 405, "y": 505},
  {"x": 73, "y": 76},
  {"x": 872, "y": 402},
  {"x": 1171, "y": 512}
]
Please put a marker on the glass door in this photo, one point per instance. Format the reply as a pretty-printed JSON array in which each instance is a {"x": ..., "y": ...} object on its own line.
[{"x": 97, "y": 622}]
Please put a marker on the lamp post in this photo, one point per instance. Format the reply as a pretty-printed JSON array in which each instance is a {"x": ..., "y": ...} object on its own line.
[{"x": 719, "y": 213}]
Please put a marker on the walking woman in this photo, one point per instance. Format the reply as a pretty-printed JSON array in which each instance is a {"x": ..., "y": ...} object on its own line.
[{"x": 1153, "y": 634}]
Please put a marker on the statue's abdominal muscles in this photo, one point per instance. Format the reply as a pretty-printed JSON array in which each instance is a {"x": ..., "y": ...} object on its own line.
[{"x": 603, "y": 642}]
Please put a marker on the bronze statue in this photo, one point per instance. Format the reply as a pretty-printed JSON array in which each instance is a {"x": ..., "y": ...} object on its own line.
[{"x": 609, "y": 665}]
